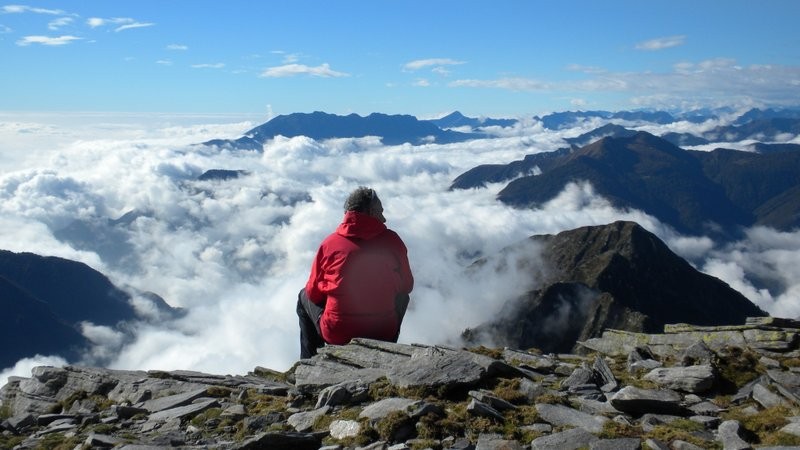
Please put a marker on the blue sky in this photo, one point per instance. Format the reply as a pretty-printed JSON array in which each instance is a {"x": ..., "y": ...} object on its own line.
[{"x": 500, "y": 58}]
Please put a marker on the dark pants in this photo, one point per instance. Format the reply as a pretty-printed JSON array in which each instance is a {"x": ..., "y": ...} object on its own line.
[{"x": 310, "y": 313}]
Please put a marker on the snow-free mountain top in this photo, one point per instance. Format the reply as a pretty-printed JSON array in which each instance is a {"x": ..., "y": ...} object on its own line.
[
  {"x": 392, "y": 129},
  {"x": 691, "y": 190}
]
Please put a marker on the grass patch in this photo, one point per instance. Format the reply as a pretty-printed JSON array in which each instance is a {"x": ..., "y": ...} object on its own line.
[
  {"x": 422, "y": 444},
  {"x": 553, "y": 399},
  {"x": 200, "y": 420},
  {"x": 615, "y": 430},
  {"x": 737, "y": 367},
  {"x": 271, "y": 375},
  {"x": 104, "y": 428},
  {"x": 218, "y": 392},
  {"x": 765, "y": 425},
  {"x": 10, "y": 441},
  {"x": 262, "y": 404},
  {"x": 508, "y": 390},
  {"x": 668, "y": 433},
  {"x": 494, "y": 353},
  {"x": 778, "y": 439},
  {"x": 790, "y": 362},
  {"x": 5, "y": 412},
  {"x": 389, "y": 427},
  {"x": 58, "y": 441}
]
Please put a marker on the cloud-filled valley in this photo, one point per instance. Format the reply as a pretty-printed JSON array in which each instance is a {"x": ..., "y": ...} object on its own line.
[{"x": 233, "y": 253}]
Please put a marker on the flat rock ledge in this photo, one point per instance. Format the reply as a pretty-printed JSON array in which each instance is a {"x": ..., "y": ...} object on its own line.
[{"x": 690, "y": 387}]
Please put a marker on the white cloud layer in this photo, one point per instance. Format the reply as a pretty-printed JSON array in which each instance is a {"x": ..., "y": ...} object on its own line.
[
  {"x": 47, "y": 40},
  {"x": 707, "y": 82},
  {"x": 18, "y": 9},
  {"x": 235, "y": 253},
  {"x": 661, "y": 43},
  {"x": 433, "y": 62},
  {"x": 292, "y": 70}
]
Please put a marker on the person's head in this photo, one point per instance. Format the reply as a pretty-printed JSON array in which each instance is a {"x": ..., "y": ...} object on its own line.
[{"x": 365, "y": 200}]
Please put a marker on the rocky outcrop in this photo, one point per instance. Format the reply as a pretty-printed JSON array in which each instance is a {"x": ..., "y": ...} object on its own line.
[
  {"x": 615, "y": 276},
  {"x": 693, "y": 387}
]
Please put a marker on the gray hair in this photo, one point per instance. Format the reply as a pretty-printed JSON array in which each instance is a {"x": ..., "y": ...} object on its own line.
[{"x": 361, "y": 200}]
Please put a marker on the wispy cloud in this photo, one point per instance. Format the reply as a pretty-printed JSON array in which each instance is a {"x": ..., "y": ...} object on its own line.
[
  {"x": 47, "y": 40},
  {"x": 4, "y": 29},
  {"x": 586, "y": 69},
  {"x": 179, "y": 47},
  {"x": 661, "y": 43},
  {"x": 208, "y": 66},
  {"x": 164, "y": 62},
  {"x": 18, "y": 9},
  {"x": 422, "y": 82},
  {"x": 291, "y": 70},
  {"x": 702, "y": 82},
  {"x": 513, "y": 84},
  {"x": 60, "y": 22},
  {"x": 432, "y": 62},
  {"x": 134, "y": 25},
  {"x": 95, "y": 22},
  {"x": 125, "y": 23}
]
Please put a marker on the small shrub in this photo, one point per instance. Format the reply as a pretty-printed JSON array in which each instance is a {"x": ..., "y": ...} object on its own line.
[
  {"x": 495, "y": 353},
  {"x": 218, "y": 392},
  {"x": 509, "y": 391}
]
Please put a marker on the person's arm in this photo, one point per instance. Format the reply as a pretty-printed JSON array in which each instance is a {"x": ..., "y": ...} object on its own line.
[
  {"x": 312, "y": 285},
  {"x": 407, "y": 279}
]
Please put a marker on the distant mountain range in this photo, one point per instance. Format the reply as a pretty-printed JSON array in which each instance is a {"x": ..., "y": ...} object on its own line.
[
  {"x": 457, "y": 120},
  {"x": 44, "y": 300},
  {"x": 691, "y": 190},
  {"x": 617, "y": 276},
  {"x": 762, "y": 125},
  {"x": 392, "y": 129}
]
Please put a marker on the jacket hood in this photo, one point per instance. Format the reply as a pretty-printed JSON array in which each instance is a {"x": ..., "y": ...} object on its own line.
[{"x": 360, "y": 225}]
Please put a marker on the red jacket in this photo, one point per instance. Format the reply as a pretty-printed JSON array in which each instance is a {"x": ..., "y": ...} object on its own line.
[{"x": 357, "y": 273}]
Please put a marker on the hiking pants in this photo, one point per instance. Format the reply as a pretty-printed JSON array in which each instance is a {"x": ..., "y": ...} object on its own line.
[{"x": 310, "y": 313}]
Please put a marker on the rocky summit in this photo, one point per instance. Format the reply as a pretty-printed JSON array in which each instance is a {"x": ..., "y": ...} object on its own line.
[
  {"x": 691, "y": 387},
  {"x": 617, "y": 276}
]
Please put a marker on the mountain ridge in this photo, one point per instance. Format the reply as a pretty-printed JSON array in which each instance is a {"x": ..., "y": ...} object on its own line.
[
  {"x": 617, "y": 276},
  {"x": 695, "y": 192},
  {"x": 392, "y": 129}
]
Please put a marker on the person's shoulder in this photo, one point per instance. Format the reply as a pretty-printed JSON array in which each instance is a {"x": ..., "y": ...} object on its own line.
[{"x": 390, "y": 235}]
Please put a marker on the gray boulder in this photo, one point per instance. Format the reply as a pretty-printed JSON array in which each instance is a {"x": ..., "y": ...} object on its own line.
[
  {"x": 728, "y": 434},
  {"x": 634, "y": 400},
  {"x": 304, "y": 421},
  {"x": 560, "y": 415},
  {"x": 566, "y": 440},
  {"x": 694, "y": 379}
]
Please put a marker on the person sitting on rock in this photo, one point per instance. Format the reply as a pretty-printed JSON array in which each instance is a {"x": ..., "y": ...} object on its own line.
[{"x": 360, "y": 280}]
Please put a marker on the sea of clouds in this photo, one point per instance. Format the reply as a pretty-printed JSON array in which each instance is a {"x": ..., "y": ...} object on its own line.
[{"x": 234, "y": 253}]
